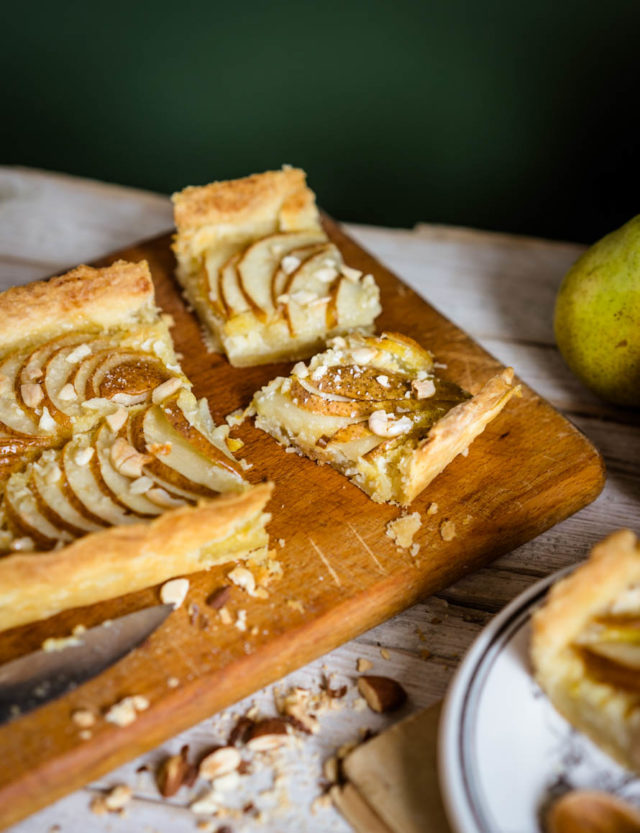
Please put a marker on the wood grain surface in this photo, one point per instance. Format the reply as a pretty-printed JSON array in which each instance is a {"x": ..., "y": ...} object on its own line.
[{"x": 342, "y": 574}]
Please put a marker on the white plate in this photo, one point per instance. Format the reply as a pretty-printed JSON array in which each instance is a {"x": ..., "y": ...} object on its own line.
[{"x": 504, "y": 751}]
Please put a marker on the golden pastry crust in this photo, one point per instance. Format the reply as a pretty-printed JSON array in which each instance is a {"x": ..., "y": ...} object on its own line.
[
  {"x": 452, "y": 434},
  {"x": 254, "y": 199},
  {"x": 84, "y": 297},
  {"x": 608, "y": 714},
  {"x": 124, "y": 559}
]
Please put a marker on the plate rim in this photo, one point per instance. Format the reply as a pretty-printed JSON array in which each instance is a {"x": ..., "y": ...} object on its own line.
[{"x": 460, "y": 811}]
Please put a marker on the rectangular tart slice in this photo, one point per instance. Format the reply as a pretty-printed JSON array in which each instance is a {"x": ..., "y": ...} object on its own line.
[
  {"x": 99, "y": 431},
  {"x": 374, "y": 409},
  {"x": 585, "y": 647},
  {"x": 260, "y": 271}
]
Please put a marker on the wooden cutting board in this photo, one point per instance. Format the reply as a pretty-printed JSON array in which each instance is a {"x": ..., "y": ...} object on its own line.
[{"x": 341, "y": 573}]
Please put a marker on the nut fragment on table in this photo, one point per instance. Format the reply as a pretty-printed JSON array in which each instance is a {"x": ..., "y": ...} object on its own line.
[
  {"x": 174, "y": 772},
  {"x": 267, "y": 734},
  {"x": 382, "y": 693},
  {"x": 219, "y": 762},
  {"x": 112, "y": 802}
]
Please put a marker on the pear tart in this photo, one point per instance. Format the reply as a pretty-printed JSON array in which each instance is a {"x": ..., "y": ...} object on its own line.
[
  {"x": 260, "y": 271},
  {"x": 585, "y": 647},
  {"x": 99, "y": 429},
  {"x": 374, "y": 408}
]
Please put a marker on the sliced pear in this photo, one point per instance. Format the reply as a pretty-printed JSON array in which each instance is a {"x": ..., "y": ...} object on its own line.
[
  {"x": 354, "y": 305},
  {"x": 23, "y": 513},
  {"x": 33, "y": 370},
  {"x": 354, "y": 441},
  {"x": 230, "y": 294},
  {"x": 197, "y": 465},
  {"x": 622, "y": 653},
  {"x": 358, "y": 382},
  {"x": 310, "y": 399},
  {"x": 280, "y": 276},
  {"x": 210, "y": 274},
  {"x": 256, "y": 265},
  {"x": 47, "y": 486},
  {"x": 133, "y": 374},
  {"x": 14, "y": 416},
  {"x": 118, "y": 485},
  {"x": 86, "y": 488},
  {"x": 306, "y": 426},
  {"x": 180, "y": 422}
]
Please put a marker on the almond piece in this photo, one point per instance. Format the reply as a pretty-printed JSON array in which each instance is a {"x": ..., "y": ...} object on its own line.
[
  {"x": 220, "y": 761},
  {"x": 126, "y": 459},
  {"x": 382, "y": 693},
  {"x": 244, "y": 579},
  {"x": 174, "y": 592},
  {"x": 117, "y": 419},
  {"x": 166, "y": 389},
  {"x": 32, "y": 394},
  {"x": 175, "y": 772},
  {"x": 268, "y": 734},
  {"x": 219, "y": 597}
]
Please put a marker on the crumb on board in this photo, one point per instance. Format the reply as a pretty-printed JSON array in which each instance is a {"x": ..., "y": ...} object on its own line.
[
  {"x": 113, "y": 801},
  {"x": 447, "y": 530},
  {"x": 384, "y": 653},
  {"x": 433, "y": 508},
  {"x": 125, "y": 711},
  {"x": 402, "y": 529},
  {"x": 363, "y": 664}
]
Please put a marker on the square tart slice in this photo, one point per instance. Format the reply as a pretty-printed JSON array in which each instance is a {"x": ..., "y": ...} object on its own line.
[
  {"x": 585, "y": 647},
  {"x": 374, "y": 409},
  {"x": 264, "y": 278},
  {"x": 113, "y": 476}
]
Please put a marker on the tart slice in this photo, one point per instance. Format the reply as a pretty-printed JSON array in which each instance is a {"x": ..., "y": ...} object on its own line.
[
  {"x": 585, "y": 647},
  {"x": 374, "y": 409},
  {"x": 265, "y": 279},
  {"x": 113, "y": 475}
]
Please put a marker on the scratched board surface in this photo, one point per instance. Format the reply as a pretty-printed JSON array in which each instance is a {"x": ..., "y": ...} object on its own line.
[{"x": 341, "y": 573}]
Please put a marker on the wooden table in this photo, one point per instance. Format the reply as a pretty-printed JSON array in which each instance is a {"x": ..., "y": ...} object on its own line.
[{"x": 501, "y": 290}]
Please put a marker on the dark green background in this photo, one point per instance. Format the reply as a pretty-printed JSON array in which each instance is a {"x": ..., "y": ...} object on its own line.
[{"x": 503, "y": 115}]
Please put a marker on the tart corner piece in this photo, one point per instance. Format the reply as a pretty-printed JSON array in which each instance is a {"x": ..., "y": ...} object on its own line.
[
  {"x": 585, "y": 647},
  {"x": 374, "y": 408},
  {"x": 257, "y": 266},
  {"x": 113, "y": 476}
]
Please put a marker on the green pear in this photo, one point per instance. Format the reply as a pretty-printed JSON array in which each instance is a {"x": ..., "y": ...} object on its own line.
[{"x": 597, "y": 316}]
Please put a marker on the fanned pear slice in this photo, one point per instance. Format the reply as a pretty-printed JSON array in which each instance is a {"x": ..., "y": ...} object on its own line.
[
  {"x": 86, "y": 489},
  {"x": 256, "y": 266},
  {"x": 47, "y": 483},
  {"x": 24, "y": 514},
  {"x": 122, "y": 488}
]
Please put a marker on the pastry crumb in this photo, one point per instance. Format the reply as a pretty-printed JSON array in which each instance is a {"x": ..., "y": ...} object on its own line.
[
  {"x": 126, "y": 710},
  {"x": 402, "y": 529},
  {"x": 363, "y": 665},
  {"x": 384, "y": 653},
  {"x": 84, "y": 718},
  {"x": 433, "y": 508},
  {"x": 447, "y": 530}
]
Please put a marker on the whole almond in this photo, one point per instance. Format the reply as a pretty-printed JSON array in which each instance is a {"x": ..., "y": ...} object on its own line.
[{"x": 382, "y": 693}]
